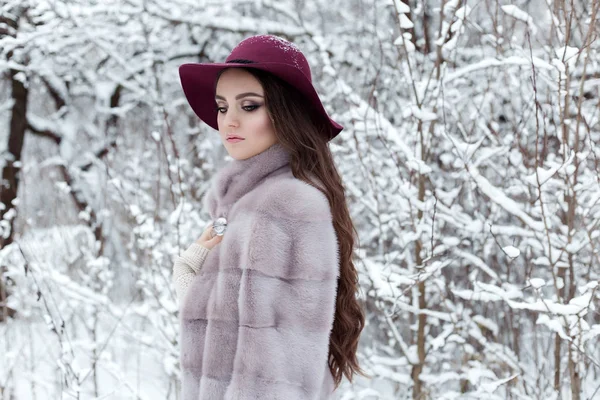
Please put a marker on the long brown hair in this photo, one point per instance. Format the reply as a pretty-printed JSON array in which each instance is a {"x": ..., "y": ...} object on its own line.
[{"x": 304, "y": 133}]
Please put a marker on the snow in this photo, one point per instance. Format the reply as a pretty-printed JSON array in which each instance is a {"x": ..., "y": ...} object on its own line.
[
  {"x": 135, "y": 210},
  {"x": 493, "y": 62},
  {"x": 553, "y": 324},
  {"x": 577, "y": 306},
  {"x": 491, "y": 387},
  {"x": 568, "y": 54},
  {"x": 589, "y": 286},
  {"x": 439, "y": 172},
  {"x": 487, "y": 323},
  {"x": 592, "y": 333},
  {"x": 465, "y": 150},
  {"x": 521, "y": 15},
  {"x": 405, "y": 23},
  {"x": 450, "y": 6},
  {"x": 401, "y": 7},
  {"x": 545, "y": 174},
  {"x": 419, "y": 166},
  {"x": 505, "y": 202},
  {"x": 537, "y": 283},
  {"x": 21, "y": 77},
  {"x": 576, "y": 246},
  {"x": 463, "y": 12},
  {"x": 403, "y": 40},
  {"x": 422, "y": 114},
  {"x": 63, "y": 187},
  {"x": 478, "y": 262},
  {"x": 511, "y": 251}
]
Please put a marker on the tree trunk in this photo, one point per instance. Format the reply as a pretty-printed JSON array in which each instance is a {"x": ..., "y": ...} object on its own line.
[{"x": 10, "y": 173}]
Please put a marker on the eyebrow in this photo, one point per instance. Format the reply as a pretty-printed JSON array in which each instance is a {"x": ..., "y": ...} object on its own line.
[{"x": 239, "y": 96}]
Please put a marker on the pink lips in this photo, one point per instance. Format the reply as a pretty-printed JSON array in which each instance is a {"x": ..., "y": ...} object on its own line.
[{"x": 234, "y": 140}]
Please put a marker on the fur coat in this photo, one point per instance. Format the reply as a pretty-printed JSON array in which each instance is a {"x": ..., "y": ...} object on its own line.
[{"x": 256, "y": 320}]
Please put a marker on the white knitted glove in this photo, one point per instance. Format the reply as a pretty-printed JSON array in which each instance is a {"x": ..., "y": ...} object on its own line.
[{"x": 186, "y": 267}]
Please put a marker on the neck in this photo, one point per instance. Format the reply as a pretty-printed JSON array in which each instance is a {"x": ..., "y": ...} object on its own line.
[{"x": 238, "y": 177}]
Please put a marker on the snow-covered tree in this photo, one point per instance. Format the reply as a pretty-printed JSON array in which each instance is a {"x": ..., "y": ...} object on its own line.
[{"x": 470, "y": 159}]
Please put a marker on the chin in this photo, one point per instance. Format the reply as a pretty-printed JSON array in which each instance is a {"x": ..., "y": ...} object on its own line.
[{"x": 238, "y": 154}]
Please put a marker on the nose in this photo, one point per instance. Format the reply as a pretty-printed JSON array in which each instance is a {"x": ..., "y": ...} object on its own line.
[{"x": 231, "y": 118}]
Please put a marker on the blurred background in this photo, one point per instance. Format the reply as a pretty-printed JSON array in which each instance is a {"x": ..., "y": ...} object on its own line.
[{"x": 470, "y": 158}]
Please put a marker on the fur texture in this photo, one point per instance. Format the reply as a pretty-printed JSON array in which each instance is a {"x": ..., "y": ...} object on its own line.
[{"x": 256, "y": 320}]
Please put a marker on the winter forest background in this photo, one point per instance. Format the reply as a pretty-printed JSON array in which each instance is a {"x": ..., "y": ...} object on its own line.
[{"x": 470, "y": 156}]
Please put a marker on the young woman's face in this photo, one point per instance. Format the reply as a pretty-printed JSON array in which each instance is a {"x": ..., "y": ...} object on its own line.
[{"x": 241, "y": 111}]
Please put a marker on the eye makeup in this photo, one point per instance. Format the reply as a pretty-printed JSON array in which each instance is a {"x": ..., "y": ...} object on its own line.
[{"x": 247, "y": 108}]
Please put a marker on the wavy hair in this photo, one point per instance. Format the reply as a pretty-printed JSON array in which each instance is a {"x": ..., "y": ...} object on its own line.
[{"x": 305, "y": 133}]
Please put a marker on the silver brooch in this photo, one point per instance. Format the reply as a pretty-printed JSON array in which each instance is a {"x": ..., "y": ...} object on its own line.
[{"x": 220, "y": 226}]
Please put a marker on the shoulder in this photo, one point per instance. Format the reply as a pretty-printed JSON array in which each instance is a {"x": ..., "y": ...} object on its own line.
[
  {"x": 293, "y": 235},
  {"x": 291, "y": 198}
]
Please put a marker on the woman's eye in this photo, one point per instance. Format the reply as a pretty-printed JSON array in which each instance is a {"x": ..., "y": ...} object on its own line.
[{"x": 249, "y": 108}]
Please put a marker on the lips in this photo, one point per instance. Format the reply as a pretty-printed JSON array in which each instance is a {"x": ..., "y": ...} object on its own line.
[{"x": 231, "y": 137}]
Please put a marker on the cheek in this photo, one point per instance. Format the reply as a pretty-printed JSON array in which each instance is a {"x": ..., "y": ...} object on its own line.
[{"x": 261, "y": 121}]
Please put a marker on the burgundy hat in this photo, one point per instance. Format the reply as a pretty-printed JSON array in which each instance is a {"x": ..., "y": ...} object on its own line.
[{"x": 265, "y": 52}]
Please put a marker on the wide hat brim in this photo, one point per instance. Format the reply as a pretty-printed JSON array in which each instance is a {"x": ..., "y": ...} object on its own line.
[{"x": 198, "y": 83}]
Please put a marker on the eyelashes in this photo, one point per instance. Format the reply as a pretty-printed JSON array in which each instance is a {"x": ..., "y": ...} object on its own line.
[{"x": 249, "y": 108}]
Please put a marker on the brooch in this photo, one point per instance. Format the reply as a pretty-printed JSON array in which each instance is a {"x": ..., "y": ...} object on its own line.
[{"x": 220, "y": 226}]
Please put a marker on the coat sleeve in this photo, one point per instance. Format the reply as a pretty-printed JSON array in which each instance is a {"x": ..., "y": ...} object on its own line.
[{"x": 286, "y": 301}]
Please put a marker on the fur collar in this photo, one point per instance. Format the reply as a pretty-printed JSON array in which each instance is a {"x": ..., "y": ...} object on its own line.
[{"x": 238, "y": 177}]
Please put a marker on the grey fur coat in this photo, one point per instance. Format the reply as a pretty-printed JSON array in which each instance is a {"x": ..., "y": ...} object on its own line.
[{"x": 256, "y": 320}]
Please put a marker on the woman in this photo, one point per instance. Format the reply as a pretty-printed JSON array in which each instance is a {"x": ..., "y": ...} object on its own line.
[{"x": 267, "y": 293}]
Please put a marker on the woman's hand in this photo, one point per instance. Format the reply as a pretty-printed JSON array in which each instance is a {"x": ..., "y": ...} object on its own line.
[{"x": 209, "y": 238}]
